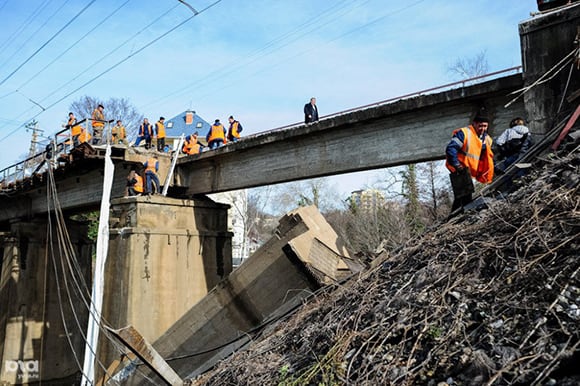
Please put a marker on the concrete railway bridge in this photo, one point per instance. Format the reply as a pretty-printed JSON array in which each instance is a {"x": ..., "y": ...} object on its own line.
[{"x": 165, "y": 254}]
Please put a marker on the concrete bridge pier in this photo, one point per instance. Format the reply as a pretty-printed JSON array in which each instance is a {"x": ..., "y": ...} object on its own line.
[
  {"x": 35, "y": 344},
  {"x": 164, "y": 256}
]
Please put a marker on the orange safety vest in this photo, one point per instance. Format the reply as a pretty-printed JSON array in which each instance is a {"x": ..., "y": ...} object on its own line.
[
  {"x": 160, "y": 128},
  {"x": 480, "y": 164},
  {"x": 190, "y": 146},
  {"x": 151, "y": 165},
  {"x": 139, "y": 184},
  {"x": 118, "y": 131},
  {"x": 74, "y": 129},
  {"x": 84, "y": 136},
  {"x": 217, "y": 132},
  {"x": 234, "y": 129},
  {"x": 98, "y": 116}
]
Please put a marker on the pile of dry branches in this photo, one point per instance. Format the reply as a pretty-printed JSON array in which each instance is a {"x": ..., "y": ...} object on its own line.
[{"x": 491, "y": 298}]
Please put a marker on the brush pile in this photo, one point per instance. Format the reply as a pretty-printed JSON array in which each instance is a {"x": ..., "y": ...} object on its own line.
[{"x": 489, "y": 298}]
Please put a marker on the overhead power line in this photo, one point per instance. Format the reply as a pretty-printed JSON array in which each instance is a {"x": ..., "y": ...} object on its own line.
[
  {"x": 188, "y": 6},
  {"x": 47, "y": 42},
  {"x": 111, "y": 52},
  {"x": 24, "y": 25},
  {"x": 73, "y": 45},
  {"x": 23, "y": 44},
  {"x": 114, "y": 66},
  {"x": 133, "y": 54}
]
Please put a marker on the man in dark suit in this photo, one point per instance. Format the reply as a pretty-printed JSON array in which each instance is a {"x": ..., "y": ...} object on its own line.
[{"x": 310, "y": 111}]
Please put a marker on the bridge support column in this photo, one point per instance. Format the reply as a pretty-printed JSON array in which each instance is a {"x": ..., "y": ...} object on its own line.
[
  {"x": 545, "y": 41},
  {"x": 164, "y": 256},
  {"x": 35, "y": 344}
]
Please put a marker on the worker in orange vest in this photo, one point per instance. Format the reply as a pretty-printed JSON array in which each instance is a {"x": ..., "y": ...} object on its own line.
[
  {"x": 469, "y": 155},
  {"x": 134, "y": 184},
  {"x": 234, "y": 130},
  {"x": 191, "y": 146},
  {"x": 145, "y": 133},
  {"x": 160, "y": 134},
  {"x": 151, "y": 169},
  {"x": 75, "y": 130},
  {"x": 98, "y": 123},
  {"x": 118, "y": 133},
  {"x": 216, "y": 135}
]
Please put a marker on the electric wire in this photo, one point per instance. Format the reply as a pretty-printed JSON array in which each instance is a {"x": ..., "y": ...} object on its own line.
[
  {"x": 285, "y": 60},
  {"x": 57, "y": 282},
  {"x": 111, "y": 52},
  {"x": 546, "y": 76},
  {"x": 23, "y": 44},
  {"x": 3, "y": 5},
  {"x": 110, "y": 68},
  {"x": 261, "y": 52},
  {"x": 25, "y": 24},
  {"x": 59, "y": 56},
  {"x": 48, "y": 41},
  {"x": 67, "y": 250},
  {"x": 133, "y": 54}
]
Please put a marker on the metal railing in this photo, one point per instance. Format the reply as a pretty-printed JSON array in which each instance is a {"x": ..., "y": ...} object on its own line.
[
  {"x": 61, "y": 143},
  {"x": 461, "y": 83}
]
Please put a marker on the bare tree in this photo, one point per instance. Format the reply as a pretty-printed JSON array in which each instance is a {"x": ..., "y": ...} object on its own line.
[
  {"x": 434, "y": 190},
  {"x": 115, "y": 108},
  {"x": 317, "y": 191},
  {"x": 463, "y": 68}
]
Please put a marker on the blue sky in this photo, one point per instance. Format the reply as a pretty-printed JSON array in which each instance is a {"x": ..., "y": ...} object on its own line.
[{"x": 259, "y": 60}]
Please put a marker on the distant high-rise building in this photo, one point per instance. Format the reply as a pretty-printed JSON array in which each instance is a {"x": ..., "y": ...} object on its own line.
[{"x": 367, "y": 200}]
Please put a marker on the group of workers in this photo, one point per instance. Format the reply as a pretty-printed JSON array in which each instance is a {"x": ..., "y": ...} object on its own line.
[
  {"x": 80, "y": 135},
  {"x": 216, "y": 136},
  {"x": 470, "y": 154},
  {"x": 135, "y": 185}
]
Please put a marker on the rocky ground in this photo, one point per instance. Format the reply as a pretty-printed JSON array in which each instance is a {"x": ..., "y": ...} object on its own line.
[{"x": 489, "y": 298}]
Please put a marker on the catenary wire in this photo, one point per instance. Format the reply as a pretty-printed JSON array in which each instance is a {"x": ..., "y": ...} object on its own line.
[
  {"x": 258, "y": 53},
  {"x": 285, "y": 60},
  {"x": 133, "y": 54},
  {"x": 23, "y": 26},
  {"x": 111, "y": 52},
  {"x": 48, "y": 41},
  {"x": 23, "y": 44},
  {"x": 111, "y": 68},
  {"x": 59, "y": 56}
]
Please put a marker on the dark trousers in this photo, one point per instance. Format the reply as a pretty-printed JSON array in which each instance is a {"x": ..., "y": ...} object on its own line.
[
  {"x": 150, "y": 178},
  {"x": 463, "y": 188},
  {"x": 160, "y": 144}
]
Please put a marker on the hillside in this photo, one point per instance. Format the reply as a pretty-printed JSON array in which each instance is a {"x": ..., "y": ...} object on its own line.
[{"x": 489, "y": 298}]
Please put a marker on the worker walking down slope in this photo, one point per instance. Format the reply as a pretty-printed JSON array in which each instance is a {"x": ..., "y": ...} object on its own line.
[
  {"x": 216, "y": 135},
  {"x": 469, "y": 155},
  {"x": 512, "y": 144},
  {"x": 151, "y": 169}
]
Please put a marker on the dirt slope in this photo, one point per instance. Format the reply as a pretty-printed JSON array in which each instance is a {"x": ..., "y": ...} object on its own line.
[{"x": 490, "y": 298}]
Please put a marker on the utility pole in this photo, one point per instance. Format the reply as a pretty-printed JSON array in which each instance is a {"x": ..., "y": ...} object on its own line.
[{"x": 33, "y": 126}]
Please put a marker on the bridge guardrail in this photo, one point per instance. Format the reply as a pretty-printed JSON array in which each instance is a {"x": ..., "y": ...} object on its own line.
[
  {"x": 463, "y": 83},
  {"x": 39, "y": 162}
]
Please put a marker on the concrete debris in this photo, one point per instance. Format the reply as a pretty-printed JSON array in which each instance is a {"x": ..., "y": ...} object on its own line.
[{"x": 304, "y": 255}]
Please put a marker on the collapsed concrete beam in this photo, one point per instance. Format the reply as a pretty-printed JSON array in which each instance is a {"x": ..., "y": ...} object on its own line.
[{"x": 304, "y": 254}]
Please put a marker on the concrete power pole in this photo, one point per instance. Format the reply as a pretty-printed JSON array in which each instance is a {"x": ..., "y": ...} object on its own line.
[{"x": 33, "y": 126}]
